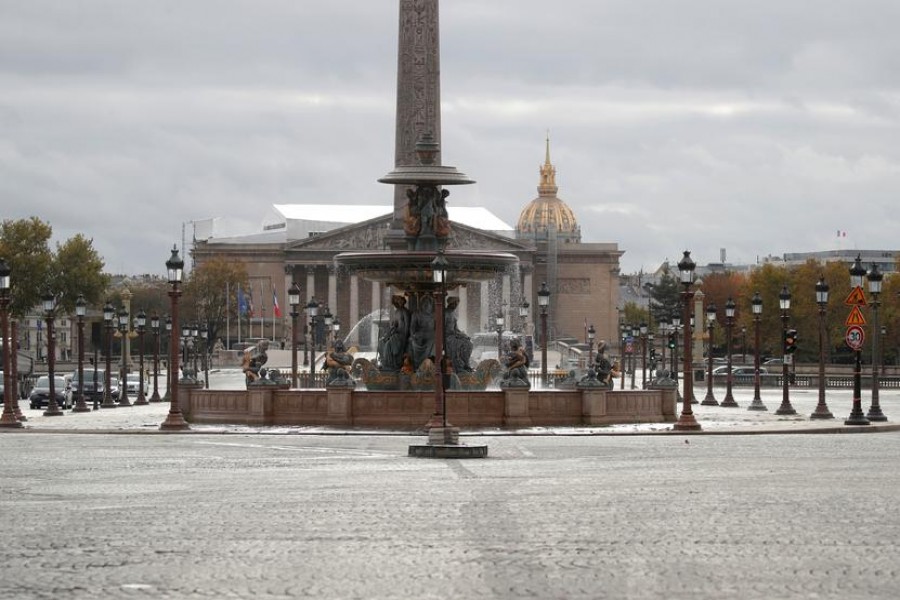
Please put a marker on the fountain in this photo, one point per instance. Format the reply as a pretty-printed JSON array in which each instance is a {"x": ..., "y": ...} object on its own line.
[{"x": 427, "y": 233}]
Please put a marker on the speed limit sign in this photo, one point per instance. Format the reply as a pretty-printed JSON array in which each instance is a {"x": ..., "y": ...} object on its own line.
[{"x": 855, "y": 337}]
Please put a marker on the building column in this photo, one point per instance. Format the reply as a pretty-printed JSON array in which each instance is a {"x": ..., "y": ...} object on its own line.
[
  {"x": 505, "y": 306},
  {"x": 462, "y": 311},
  {"x": 332, "y": 289},
  {"x": 485, "y": 315},
  {"x": 310, "y": 290}
]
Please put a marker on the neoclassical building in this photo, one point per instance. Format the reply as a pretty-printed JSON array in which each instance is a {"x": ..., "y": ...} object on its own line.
[{"x": 582, "y": 277}]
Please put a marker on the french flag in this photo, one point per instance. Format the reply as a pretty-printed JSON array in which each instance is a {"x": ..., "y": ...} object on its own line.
[{"x": 275, "y": 304}]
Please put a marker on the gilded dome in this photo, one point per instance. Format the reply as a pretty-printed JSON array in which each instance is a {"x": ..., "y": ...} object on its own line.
[{"x": 547, "y": 211}]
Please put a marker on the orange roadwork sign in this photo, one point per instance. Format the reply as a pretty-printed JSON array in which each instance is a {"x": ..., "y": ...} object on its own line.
[
  {"x": 855, "y": 317},
  {"x": 856, "y": 298}
]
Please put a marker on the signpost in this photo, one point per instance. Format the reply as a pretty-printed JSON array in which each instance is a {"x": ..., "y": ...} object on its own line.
[{"x": 855, "y": 337}]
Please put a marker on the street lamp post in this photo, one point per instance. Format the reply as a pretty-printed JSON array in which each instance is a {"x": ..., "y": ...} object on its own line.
[
  {"x": 312, "y": 310},
  {"x": 730, "y": 307},
  {"x": 686, "y": 421},
  {"x": 154, "y": 328},
  {"x": 592, "y": 334},
  {"x": 498, "y": 321},
  {"x": 743, "y": 345},
  {"x": 204, "y": 358},
  {"x": 175, "y": 271},
  {"x": 857, "y": 273},
  {"x": 784, "y": 302},
  {"x": 109, "y": 314},
  {"x": 643, "y": 331},
  {"x": 624, "y": 365},
  {"x": 875, "y": 278},
  {"x": 294, "y": 301},
  {"x": 49, "y": 304},
  {"x": 8, "y": 419},
  {"x": 123, "y": 372},
  {"x": 676, "y": 327},
  {"x": 635, "y": 335},
  {"x": 169, "y": 371},
  {"x": 544, "y": 302},
  {"x": 141, "y": 331},
  {"x": 710, "y": 399},
  {"x": 756, "y": 304},
  {"x": 439, "y": 268},
  {"x": 80, "y": 311},
  {"x": 821, "y": 411},
  {"x": 328, "y": 319}
]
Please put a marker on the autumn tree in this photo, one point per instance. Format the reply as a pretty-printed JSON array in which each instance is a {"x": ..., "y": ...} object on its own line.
[{"x": 210, "y": 293}]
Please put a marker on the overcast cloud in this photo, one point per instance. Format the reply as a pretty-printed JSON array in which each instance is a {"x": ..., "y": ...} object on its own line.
[{"x": 759, "y": 127}]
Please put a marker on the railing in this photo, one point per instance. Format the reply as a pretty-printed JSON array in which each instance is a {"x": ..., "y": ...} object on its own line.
[{"x": 806, "y": 381}]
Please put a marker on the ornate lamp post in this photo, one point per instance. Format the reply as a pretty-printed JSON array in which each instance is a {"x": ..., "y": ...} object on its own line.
[
  {"x": 80, "y": 311},
  {"x": 875, "y": 278},
  {"x": 624, "y": 365},
  {"x": 756, "y": 304},
  {"x": 123, "y": 372},
  {"x": 204, "y": 357},
  {"x": 664, "y": 332},
  {"x": 710, "y": 399},
  {"x": 170, "y": 373},
  {"x": 643, "y": 332},
  {"x": 141, "y": 331},
  {"x": 336, "y": 328},
  {"x": 592, "y": 334},
  {"x": 543, "y": 302},
  {"x": 523, "y": 313},
  {"x": 154, "y": 328},
  {"x": 635, "y": 335},
  {"x": 439, "y": 268},
  {"x": 109, "y": 315},
  {"x": 687, "y": 422},
  {"x": 498, "y": 321},
  {"x": 857, "y": 273},
  {"x": 730, "y": 307},
  {"x": 312, "y": 310},
  {"x": 328, "y": 319},
  {"x": 784, "y": 302},
  {"x": 49, "y": 305},
  {"x": 175, "y": 271},
  {"x": 743, "y": 345},
  {"x": 9, "y": 415},
  {"x": 821, "y": 411},
  {"x": 676, "y": 327},
  {"x": 294, "y": 301}
]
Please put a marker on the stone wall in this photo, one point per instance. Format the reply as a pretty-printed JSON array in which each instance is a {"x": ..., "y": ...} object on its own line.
[{"x": 511, "y": 408}]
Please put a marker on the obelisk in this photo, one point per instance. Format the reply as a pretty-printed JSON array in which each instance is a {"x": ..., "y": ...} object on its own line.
[{"x": 418, "y": 91}]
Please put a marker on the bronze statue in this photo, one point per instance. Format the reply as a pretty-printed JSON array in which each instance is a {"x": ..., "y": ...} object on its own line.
[
  {"x": 253, "y": 360},
  {"x": 458, "y": 344},
  {"x": 392, "y": 346}
]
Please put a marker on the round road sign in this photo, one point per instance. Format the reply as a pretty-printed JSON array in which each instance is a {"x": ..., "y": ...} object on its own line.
[{"x": 855, "y": 337}]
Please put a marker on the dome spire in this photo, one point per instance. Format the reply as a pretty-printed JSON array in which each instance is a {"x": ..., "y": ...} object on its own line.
[{"x": 547, "y": 185}]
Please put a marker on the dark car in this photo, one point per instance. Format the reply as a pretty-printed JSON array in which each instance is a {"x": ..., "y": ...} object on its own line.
[
  {"x": 91, "y": 391},
  {"x": 739, "y": 371},
  {"x": 40, "y": 395}
]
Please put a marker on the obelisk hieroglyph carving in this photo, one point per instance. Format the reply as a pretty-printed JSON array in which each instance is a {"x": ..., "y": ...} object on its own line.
[{"x": 418, "y": 90}]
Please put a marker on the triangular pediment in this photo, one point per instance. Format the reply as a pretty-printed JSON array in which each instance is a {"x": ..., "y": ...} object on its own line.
[{"x": 371, "y": 234}]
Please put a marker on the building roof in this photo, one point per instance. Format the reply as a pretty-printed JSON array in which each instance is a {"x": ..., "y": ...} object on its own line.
[{"x": 548, "y": 210}]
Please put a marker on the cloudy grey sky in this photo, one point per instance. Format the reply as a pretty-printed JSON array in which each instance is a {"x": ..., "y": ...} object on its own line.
[{"x": 760, "y": 127}]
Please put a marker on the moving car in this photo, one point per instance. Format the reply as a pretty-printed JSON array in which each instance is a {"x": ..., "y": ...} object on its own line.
[
  {"x": 40, "y": 395},
  {"x": 90, "y": 390},
  {"x": 739, "y": 371}
]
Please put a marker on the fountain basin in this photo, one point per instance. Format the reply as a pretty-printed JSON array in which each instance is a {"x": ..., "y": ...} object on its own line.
[{"x": 412, "y": 270}]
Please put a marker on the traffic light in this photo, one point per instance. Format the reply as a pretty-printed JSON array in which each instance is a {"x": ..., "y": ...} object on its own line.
[
  {"x": 652, "y": 354},
  {"x": 671, "y": 341},
  {"x": 790, "y": 341}
]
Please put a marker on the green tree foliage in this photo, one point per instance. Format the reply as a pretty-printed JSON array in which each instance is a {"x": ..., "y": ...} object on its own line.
[
  {"x": 210, "y": 293},
  {"x": 77, "y": 269},
  {"x": 74, "y": 268},
  {"x": 665, "y": 295},
  {"x": 25, "y": 244}
]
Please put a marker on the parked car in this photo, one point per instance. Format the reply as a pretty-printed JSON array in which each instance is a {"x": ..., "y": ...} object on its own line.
[
  {"x": 133, "y": 386},
  {"x": 773, "y": 361},
  {"x": 40, "y": 395},
  {"x": 739, "y": 371},
  {"x": 91, "y": 391}
]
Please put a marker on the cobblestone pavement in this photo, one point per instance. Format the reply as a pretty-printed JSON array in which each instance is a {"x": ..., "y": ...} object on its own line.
[{"x": 575, "y": 517}]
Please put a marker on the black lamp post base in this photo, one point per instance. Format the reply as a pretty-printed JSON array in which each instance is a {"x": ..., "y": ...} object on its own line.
[
  {"x": 857, "y": 418},
  {"x": 786, "y": 409},
  {"x": 81, "y": 409},
  {"x": 710, "y": 400},
  {"x": 875, "y": 414},
  {"x": 174, "y": 422},
  {"x": 757, "y": 404},
  {"x": 53, "y": 411},
  {"x": 821, "y": 412},
  {"x": 141, "y": 401},
  {"x": 729, "y": 402},
  {"x": 10, "y": 420}
]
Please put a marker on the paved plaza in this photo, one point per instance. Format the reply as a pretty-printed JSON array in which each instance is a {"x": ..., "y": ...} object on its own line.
[{"x": 274, "y": 513}]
